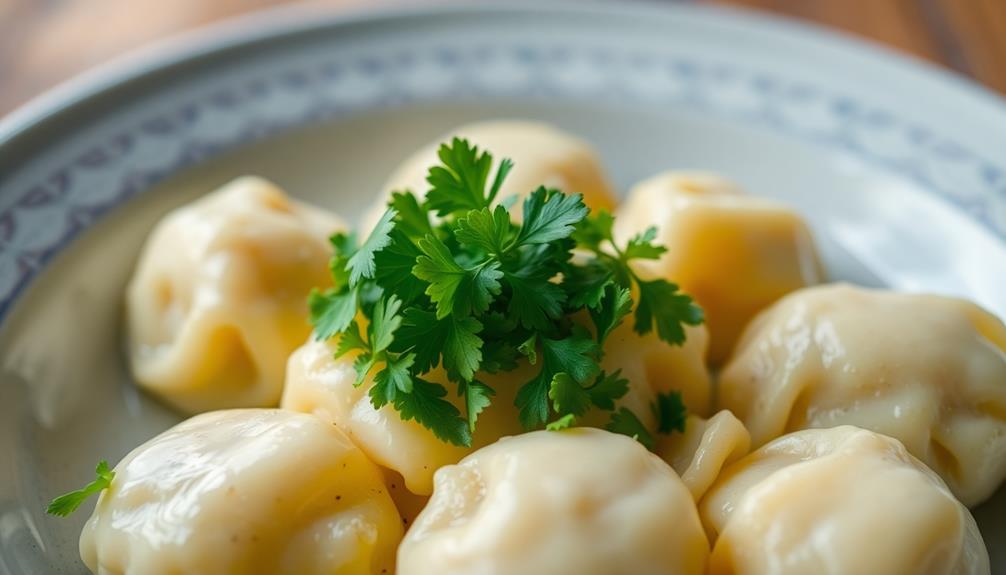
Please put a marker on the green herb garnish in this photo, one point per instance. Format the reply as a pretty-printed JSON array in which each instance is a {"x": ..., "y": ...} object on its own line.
[
  {"x": 474, "y": 292},
  {"x": 68, "y": 503}
]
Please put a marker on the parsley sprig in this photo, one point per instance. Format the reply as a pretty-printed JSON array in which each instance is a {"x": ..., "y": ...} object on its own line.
[
  {"x": 452, "y": 281},
  {"x": 69, "y": 502}
]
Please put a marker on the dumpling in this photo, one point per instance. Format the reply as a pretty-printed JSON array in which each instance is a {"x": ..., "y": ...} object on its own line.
[
  {"x": 320, "y": 384},
  {"x": 704, "y": 449},
  {"x": 927, "y": 370},
  {"x": 834, "y": 501},
  {"x": 734, "y": 253},
  {"x": 244, "y": 492},
  {"x": 542, "y": 154},
  {"x": 581, "y": 501},
  {"x": 219, "y": 298}
]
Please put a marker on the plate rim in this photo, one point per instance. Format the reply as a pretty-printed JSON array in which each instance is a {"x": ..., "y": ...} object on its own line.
[{"x": 244, "y": 31}]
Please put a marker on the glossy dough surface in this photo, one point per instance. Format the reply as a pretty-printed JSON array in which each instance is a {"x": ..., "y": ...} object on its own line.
[
  {"x": 247, "y": 491},
  {"x": 218, "y": 300},
  {"x": 320, "y": 384},
  {"x": 837, "y": 501},
  {"x": 704, "y": 449},
  {"x": 734, "y": 253},
  {"x": 582, "y": 501},
  {"x": 927, "y": 370}
]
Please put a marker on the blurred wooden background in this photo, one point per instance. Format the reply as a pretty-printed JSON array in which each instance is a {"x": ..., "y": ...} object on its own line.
[{"x": 43, "y": 42}]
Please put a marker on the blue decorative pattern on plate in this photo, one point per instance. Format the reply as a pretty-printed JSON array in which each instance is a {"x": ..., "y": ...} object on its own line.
[{"x": 98, "y": 176}]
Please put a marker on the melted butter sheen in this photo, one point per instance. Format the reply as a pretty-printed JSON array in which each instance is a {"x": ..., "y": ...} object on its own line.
[
  {"x": 734, "y": 253},
  {"x": 929, "y": 371},
  {"x": 320, "y": 384},
  {"x": 217, "y": 302},
  {"x": 582, "y": 501},
  {"x": 244, "y": 492},
  {"x": 837, "y": 501}
]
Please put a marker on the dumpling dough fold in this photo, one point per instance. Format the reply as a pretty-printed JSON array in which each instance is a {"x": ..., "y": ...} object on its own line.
[
  {"x": 734, "y": 253},
  {"x": 581, "y": 501},
  {"x": 927, "y": 370},
  {"x": 837, "y": 501},
  {"x": 704, "y": 449},
  {"x": 219, "y": 297},
  {"x": 244, "y": 492}
]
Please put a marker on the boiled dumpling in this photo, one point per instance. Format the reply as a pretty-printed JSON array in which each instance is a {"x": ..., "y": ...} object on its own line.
[
  {"x": 581, "y": 501},
  {"x": 704, "y": 449},
  {"x": 836, "y": 501},
  {"x": 929, "y": 371},
  {"x": 243, "y": 492},
  {"x": 318, "y": 383},
  {"x": 218, "y": 300},
  {"x": 542, "y": 154},
  {"x": 734, "y": 253}
]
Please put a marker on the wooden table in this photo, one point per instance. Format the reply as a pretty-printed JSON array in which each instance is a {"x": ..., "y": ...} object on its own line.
[{"x": 43, "y": 42}]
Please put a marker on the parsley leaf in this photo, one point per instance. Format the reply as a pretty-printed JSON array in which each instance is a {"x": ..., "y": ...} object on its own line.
[
  {"x": 362, "y": 365},
  {"x": 426, "y": 405},
  {"x": 392, "y": 379},
  {"x": 69, "y": 502},
  {"x": 625, "y": 422},
  {"x": 501, "y": 173},
  {"x": 455, "y": 340},
  {"x": 453, "y": 288},
  {"x": 343, "y": 247},
  {"x": 568, "y": 396},
  {"x": 361, "y": 264},
  {"x": 412, "y": 219},
  {"x": 534, "y": 301},
  {"x": 584, "y": 285},
  {"x": 592, "y": 231},
  {"x": 564, "y": 422},
  {"x": 670, "y": 412},
  {"x": 615, "y": 304},
  {"x": 463, "y": 348},
  {"x": 477, "y": 397},
  {"x": 489, "y": 230},
  {"x": 659, "y": 304},
  {"x": 574, "y": 356},
  {"x": 532, "y": 401},
  {"x": 459, "y": 183},
  {"x": 662, "y": 304},
  {"x": 383, "y": 323},
  {"x": 641, "y": 246},
  {"x": 394, "y": 267},
  {"x": 500, "y": 340},
  {"x": 529, "y": 348},
  {"x": 350, "y": 339},
  {"x": 607, "y": 389},
  {"x": 331, "y": 311},
  {"x": 422, "y": 333},
  {"x": 550, "y": 215}
]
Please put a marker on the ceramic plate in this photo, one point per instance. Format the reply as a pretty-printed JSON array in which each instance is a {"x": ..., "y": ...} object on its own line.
[{"x": 899, "y": 168}]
